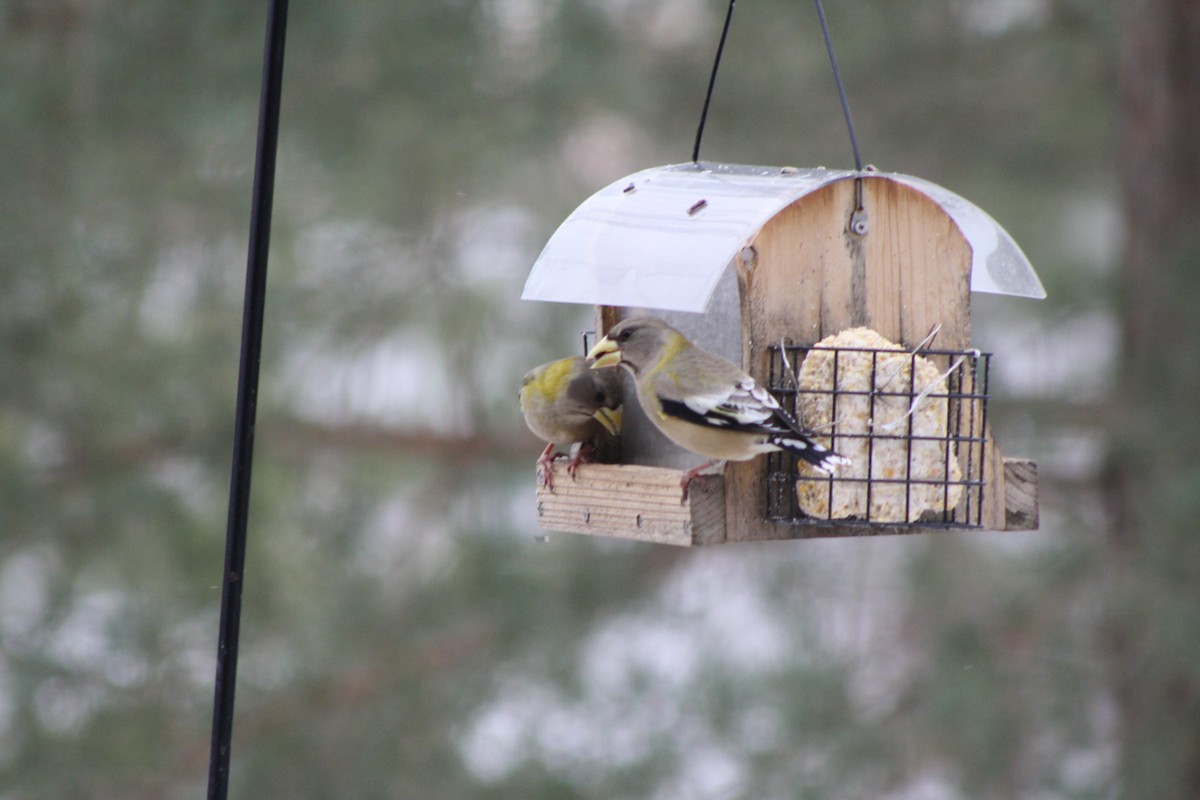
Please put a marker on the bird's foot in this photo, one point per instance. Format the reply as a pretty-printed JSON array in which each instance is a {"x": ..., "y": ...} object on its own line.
[
  {"x": 545, "y": 467},
  {"x": 690, "y": 476},
  {"x": 584, "y": 456}
]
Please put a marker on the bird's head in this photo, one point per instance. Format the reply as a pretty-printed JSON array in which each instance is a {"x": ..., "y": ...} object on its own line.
[
  {"x": 572, "y": 391},
  {"x": 636, "y": 343}
]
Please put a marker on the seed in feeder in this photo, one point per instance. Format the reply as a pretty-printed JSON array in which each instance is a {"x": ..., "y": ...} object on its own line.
[{"x": 892, "y": 410}]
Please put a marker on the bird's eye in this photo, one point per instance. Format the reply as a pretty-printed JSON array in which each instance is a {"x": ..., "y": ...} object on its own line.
[
  {"x": 600, "y": 397},
  {"x": 624, "y": 335}
]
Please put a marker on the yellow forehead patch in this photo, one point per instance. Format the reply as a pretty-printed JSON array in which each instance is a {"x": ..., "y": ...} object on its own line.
[{"x": 553, "y": 381}]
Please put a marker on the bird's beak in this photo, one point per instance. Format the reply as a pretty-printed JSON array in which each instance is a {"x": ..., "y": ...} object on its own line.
[
  {"x": 610, "y": 418},
  {"x": 604, "y": 354}
]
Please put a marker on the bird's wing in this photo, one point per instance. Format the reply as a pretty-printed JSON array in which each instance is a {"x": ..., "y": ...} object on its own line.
[{"x": 742, "y": 406}]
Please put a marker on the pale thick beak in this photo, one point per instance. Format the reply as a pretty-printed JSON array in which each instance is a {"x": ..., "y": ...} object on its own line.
[
  {"x": 610, "y": 418},
  {"x": 604, "y": 354}
]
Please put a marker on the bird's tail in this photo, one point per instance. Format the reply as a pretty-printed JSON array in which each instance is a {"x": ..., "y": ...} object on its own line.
[{"x": 808, "y": 450}]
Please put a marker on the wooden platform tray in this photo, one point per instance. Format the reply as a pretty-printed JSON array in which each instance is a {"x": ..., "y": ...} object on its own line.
[{"x": 645, "y": 504}]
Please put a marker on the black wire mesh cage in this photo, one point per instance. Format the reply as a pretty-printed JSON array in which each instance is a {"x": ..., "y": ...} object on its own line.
[{"x": 912, "y": 423}]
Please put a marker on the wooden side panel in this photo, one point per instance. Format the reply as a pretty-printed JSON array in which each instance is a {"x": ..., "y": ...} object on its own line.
[
  {"x": 918, "y": 269},
  {"x": 634, "y": 502},
  {"x": 606, "y": 317},
  {"x": 1020, "y": 495},
  {"x": 811, "y": 278}
]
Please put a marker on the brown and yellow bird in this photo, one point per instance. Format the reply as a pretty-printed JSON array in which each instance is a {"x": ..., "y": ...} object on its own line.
[
  {"x": 566, "y": 404},
  {"x": 703, "y": 402}
]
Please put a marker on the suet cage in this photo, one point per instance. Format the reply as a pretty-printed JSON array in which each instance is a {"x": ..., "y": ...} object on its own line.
[{"x": 917, "y": 443}]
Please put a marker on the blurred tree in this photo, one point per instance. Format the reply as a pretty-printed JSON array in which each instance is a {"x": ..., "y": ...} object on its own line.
[{"x": 1153, "y": 634}]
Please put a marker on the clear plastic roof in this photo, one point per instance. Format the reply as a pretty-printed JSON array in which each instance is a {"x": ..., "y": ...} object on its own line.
[{"x": 661, "y": 238}]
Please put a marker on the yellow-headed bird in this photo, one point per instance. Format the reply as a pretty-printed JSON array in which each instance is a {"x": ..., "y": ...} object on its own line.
[{"x": 565, "y": 404}]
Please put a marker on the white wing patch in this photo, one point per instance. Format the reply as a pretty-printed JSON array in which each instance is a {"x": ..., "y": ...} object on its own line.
[
  {"x": 758, "y": 393},
  {"x": 744, "y": 403}
]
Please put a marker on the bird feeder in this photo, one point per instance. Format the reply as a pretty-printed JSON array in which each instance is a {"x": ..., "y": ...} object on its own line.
[{"x": 825, "y": 286}]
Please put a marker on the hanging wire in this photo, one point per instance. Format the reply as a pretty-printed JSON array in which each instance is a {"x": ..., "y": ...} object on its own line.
[
  {"x": 837, "y": 78},
  {"x": 712, "y": 81},
  {"x": 247, "y": 400}
]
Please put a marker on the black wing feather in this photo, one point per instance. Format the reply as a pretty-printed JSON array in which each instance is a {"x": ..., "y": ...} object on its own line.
[
  {"x": 725, "y": 422},
  {"x": 788, "y": 435}
]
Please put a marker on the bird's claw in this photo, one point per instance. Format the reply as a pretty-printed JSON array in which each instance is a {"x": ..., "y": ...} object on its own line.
[
  {"x": 584, "y": 456},
  {"x": 690, "y": 476},
  {"x": 545, "y": 468}
]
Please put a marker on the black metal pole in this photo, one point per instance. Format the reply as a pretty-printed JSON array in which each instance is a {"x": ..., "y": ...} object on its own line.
[{"x": 247, "y": 400}]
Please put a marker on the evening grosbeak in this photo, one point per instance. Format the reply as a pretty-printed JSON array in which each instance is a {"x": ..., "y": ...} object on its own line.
[
  {"x": 703, "y": 402},
  {"x": 565, "y": 404}
]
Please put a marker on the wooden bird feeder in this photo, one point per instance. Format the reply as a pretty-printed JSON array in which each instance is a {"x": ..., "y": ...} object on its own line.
[{"x": 781, "y": 270}]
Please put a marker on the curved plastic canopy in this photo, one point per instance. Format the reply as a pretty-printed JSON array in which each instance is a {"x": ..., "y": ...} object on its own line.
[{"x": 661, "y": 238}]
